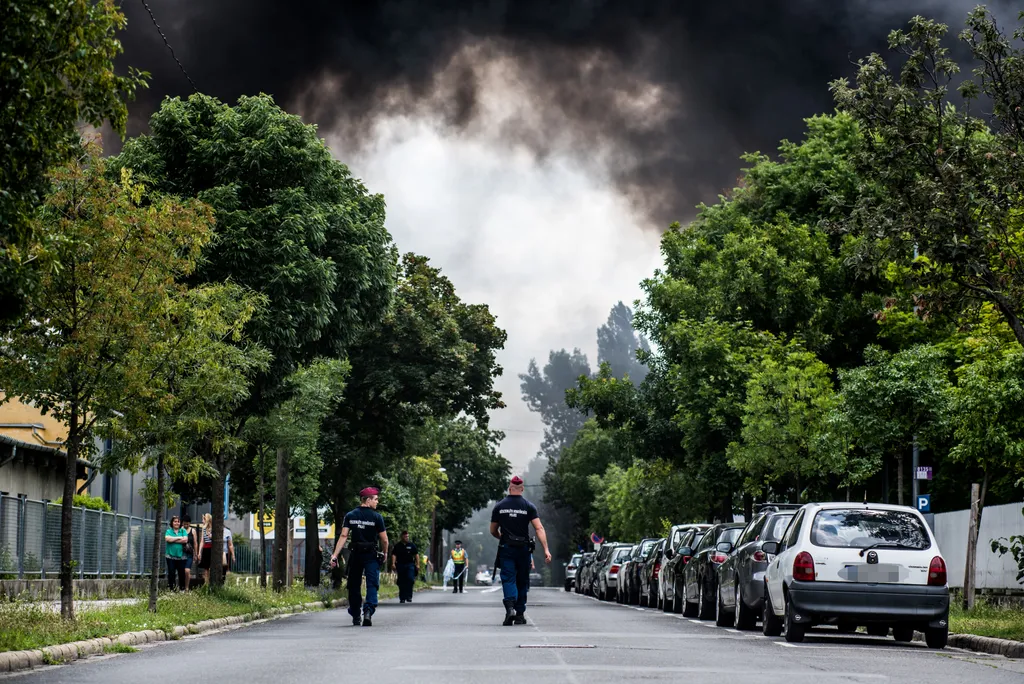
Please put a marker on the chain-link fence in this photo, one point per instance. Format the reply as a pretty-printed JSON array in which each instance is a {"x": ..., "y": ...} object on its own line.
[{"x": 102, "y": 544}]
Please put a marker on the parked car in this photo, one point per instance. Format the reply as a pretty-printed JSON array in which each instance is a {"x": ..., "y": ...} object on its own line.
[
  {"x": 536, "y": 579},
  {"x": 594, "y": 570},
  {"x": 570, "y": 570},
  {"x": 649, "y": 574},
  {"x": 700, "y": 575},
  {"x": 672, "y": 565},
  {"x": 629, "y": 573},
  {"x": 671, "y": 584},
  {"x": 741, "y": 576},
  {"x": 608, "y": 579},
  {"x": 585, "y": 561},
  {"x": 875, "y": 565}
]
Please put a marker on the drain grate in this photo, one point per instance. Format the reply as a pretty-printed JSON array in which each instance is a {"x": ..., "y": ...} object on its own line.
[{"x": 556, "y": 646}]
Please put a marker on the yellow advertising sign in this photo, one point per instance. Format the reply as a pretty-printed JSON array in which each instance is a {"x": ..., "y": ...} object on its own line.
[{"x": 267, "y": 523}]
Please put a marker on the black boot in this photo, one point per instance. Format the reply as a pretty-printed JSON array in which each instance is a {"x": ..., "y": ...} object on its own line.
[
  {"x": 510, "y": 615},
  {"x": 520, "y": 619},
  {"x": 356, "y": 620},
  {"x": 367, "y": 622}
]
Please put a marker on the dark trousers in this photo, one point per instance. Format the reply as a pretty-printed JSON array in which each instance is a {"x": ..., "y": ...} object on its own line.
[
  {"x": 406, "y": 578},
  {"x": 360, "y": 563},
  {"x": 515, "y": 575},
  {"x": 176, "y": 573},
  {"x": 459, "y": 578}
]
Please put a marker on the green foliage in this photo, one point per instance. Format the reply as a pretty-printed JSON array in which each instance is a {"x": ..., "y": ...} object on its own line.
[
  {"x": 94, "y": 503},
  {"x": 57, "y": 60},
  {"x": 544, "y": 391},
  {"x": 639, "y": 501}
]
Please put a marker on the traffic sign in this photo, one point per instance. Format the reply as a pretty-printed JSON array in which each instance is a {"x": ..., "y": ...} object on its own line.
[
  {"x": 924, "y": 503},
  {"x": 595, "y": 538},
  {"x": 924, "y": 473}
]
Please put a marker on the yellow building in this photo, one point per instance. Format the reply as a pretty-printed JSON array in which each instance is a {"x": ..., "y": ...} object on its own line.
[{"x": 32, "y": 458}]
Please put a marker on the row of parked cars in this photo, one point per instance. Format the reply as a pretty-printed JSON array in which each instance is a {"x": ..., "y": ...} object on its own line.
[{"x": 790, "y": 568}]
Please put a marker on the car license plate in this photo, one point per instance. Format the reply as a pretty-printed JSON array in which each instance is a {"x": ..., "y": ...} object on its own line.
[{"x": 880, "y": 572}]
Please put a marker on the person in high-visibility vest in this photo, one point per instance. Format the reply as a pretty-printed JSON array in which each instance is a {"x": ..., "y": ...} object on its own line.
[{"x": 461, "y": 561}]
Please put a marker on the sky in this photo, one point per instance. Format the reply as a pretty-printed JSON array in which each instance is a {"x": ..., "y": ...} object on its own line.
[{"x": 533, "y": 149}]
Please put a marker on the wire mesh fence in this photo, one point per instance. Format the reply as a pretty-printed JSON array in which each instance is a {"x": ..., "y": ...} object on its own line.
[{"x": 102, "y": 543}]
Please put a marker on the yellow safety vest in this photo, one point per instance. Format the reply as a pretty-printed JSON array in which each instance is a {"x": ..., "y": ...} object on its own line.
[{"x": 458, "y": 555}]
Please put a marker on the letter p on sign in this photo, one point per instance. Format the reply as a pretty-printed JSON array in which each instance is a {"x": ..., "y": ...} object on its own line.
[{"x": 924, "y": 503}]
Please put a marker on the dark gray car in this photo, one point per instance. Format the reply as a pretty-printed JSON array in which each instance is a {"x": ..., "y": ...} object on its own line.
[{"x": 741, "y": 576}]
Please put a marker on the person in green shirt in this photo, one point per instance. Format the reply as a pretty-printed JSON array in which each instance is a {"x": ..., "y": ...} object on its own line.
[{"x": 176, "y": 538}]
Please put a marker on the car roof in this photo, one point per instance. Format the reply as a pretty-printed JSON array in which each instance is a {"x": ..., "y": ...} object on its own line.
[{"x": 831, "y": 505}]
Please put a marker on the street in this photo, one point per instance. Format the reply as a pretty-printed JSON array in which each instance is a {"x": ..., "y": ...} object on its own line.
[{"x": 444, "y": 638}]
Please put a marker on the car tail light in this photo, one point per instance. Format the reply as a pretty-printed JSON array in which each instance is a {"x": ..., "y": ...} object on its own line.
[
  {"x": 937, "y": 572},
  {"x": 572, "y": 567},
  {"x": 719, "y": 558},
  {"x": 614, "y": 570},
  {"x": 760, "y": 556},
  {"x": 686, "y": 559},
  {"x": 657, "y": 570},
  {"x": 803, "y": 567}
]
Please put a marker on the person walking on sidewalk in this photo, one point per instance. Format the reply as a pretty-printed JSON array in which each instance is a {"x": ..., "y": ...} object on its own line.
[
  {"x": 461, "y": 561},
  {"x": 366, "y": 526},
  {"x": 176, "y": 538},
  {"x": 403, "y": 563},
  {"x": 511, "y": 520}
]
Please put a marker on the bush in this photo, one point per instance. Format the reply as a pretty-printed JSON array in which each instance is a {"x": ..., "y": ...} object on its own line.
[{"x": 94, "y": 503}]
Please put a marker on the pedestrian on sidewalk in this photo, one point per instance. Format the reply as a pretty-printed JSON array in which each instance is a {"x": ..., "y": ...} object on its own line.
[
  {"x": 511, "y": 520},
  {"x": 403, "y": 564},
  {"x": 461, "y": 562},
  {"x": 206, "y": 551},
  {"x": 176, "y": 538},
  {"x": 366, "y": 526},
  {"x": 228, "y": 556},
  {"x": 191, "y": 547}
]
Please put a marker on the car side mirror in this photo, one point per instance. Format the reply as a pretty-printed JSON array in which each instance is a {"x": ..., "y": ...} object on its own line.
[
  {"x": 565, "y": 565},
  {"x": 770, "y": 547},
  {"x": 724, "y": 547},
  {"x": 669, "y": 554},
  {"x": 685, "y": 551}
]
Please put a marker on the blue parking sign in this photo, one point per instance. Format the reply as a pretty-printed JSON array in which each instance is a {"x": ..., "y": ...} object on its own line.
[{"x": 924, "y": 503}]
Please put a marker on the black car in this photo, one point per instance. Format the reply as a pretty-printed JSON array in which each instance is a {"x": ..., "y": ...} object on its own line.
[
  {"x": 741, "y": 576},
  {"x": 672, "y": 572},
  {"x": 649, "y": 571},
  {"x": 700, "y": 576},
  {"x": 581, "y": 567},
  {"x": 602, "y": 559},
  {"x": 629, "y": 574}
]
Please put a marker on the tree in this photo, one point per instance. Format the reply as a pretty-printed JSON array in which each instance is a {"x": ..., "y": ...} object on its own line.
[
  {"x": 544, "y": 394},
  {"x": 895, "y": 398},
  {"x": 57, "y": 59},
  {"x": 942, "y": 189},
  {"x": 200, "y": 371},
  {"x": 641, "y": 500},
  {"x": 618, "y": 345},
  {"x": 112, "y": 266},
  {"x": 292, "y": 225}
]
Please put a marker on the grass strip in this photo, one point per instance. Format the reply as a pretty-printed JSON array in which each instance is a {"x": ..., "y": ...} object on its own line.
[
  {"x": 986, "y": 619},
  {"x": 26, "y": 625}
]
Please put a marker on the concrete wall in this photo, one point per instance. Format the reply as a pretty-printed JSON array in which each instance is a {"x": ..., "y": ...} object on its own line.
[
  {"x": 19, "y": 477},
  {"x": 993, "y": 571}
]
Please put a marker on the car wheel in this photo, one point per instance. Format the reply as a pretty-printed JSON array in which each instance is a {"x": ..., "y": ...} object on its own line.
[
  {"x": 568, "y": 585},
  {"x": 795, "y": 632},
  {"x": 704, "y": 606},
  {"x": 722, "y": 617},
  {"x": 903, "y": 634},
  {"x": 690, "y": 610},
  {"x": 677, "y": 602},
  {"x": 937, "y": 637},
  {"x": 878, "y": 630},
  {"x": 666, "y": 605},
  {"x": 742, "y": 617},
  {"x": 771, "y": 626}
]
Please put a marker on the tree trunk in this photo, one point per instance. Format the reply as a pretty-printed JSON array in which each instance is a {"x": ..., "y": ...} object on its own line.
[
  {"x": 262, "y": 522},
  {"x": 312, "y": 572},
  {"x": 899, "y": 479},
  {"x": 217, "y": 505},
  {"x": 748, "y": 507},
  {"x": 282, "y": 521},
  {"x": 972, "y": 547},
  {"x": 158, "y": 536},
  {"x": 67, "y": 596},
  {"x": 338, "y": 509}
]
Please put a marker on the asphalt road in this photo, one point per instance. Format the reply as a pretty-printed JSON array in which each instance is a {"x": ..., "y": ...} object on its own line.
[{"x": 441, "y": 638}]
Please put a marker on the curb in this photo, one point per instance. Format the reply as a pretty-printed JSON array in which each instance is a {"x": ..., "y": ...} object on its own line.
[
  {"x": 981, "y": 644},
  {"x": 13, "y": 661}
]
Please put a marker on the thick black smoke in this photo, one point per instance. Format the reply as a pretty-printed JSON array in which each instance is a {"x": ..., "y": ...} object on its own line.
[{"x": 675, "y": 90}]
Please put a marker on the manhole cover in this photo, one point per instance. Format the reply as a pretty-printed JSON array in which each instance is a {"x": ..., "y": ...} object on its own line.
[{"x": 556, "y": 646}]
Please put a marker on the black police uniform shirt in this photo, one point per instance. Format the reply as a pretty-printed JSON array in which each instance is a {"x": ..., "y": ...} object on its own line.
[
  {"x": 514, "y": 515},
  {"x": 405, "y": 552},
  {"x": 364, "y": 524}
]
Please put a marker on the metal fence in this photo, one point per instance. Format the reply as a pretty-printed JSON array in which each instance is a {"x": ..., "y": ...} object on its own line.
[{"x": 103, "y": 544}]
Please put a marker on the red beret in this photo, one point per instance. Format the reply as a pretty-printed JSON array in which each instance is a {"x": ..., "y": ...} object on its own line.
[
  {"x": 369, "y": 491},
  {"x": 516, "y": 480}
]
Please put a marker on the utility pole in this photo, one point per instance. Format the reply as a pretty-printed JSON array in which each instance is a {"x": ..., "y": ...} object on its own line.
[{"x": 915, "y": 487}]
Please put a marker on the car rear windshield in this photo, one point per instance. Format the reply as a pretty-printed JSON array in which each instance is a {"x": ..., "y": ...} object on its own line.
[
  {"x": 575, "y": 559},
  {"x": 775, "y": 528},
  {"x": 859, "y": 528},
  {"x": 645, "y": 548},
  {"x": 730, "y": 535}
]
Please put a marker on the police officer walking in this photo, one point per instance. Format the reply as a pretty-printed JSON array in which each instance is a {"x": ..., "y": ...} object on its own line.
[
  {"x": 403, "y": 562},
  {"x": 511, "y": 520},
  {"x": 461, "y": 562},
  {"x": 366, "y": 526}
]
